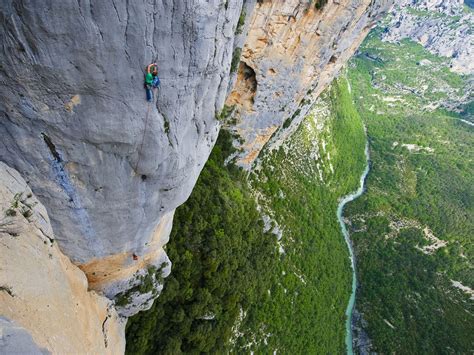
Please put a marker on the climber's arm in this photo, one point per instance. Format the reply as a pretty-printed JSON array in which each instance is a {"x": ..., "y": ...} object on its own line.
[{"x": 148, "y": 69}]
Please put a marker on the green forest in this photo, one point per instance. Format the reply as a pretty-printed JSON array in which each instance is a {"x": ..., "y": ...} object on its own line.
[
  {"x": 299, "y": 186},
  {"x": 222, "y": 263},
  {"x": 413, "y": 228},
  {"x": 234, "y": 287}
]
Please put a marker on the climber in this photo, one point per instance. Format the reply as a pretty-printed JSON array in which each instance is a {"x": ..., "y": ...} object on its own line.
[
  {"x": 151, "y": 80},
  {"x": 135, "y": 256}
]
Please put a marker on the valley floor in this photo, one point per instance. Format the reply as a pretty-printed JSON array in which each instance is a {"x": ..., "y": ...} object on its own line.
[
  {"x": 413, "y": 228},
  {"x": 299, "y": 188}
]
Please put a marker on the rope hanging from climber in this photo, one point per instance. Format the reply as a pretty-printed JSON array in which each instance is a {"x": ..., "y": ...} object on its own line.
[{"x": 152, "y": 81}]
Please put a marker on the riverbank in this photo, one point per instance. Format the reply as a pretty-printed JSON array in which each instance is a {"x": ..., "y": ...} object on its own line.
[{"x": 340, "y": 210}]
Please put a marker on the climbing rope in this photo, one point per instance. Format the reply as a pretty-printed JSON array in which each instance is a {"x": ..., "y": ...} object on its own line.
[
  {"x": 144, "y": 133},
  {"x": 146, "y": 123}
]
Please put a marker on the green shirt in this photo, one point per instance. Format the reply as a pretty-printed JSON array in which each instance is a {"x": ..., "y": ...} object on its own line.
[{"x": 148, "y": 78}]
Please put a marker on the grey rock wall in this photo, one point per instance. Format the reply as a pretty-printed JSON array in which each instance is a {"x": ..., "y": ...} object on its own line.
[
  {"x": 74, "y": 116},
  {"x": 109, "y": 167},
  {"x": 16, "y": 340}
]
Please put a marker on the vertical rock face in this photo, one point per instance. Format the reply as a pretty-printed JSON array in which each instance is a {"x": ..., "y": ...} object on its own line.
[
  {"x": 44, "y": 301},
  {"x": 293, "y": 50},
  {"x": 76, "y": 125}
]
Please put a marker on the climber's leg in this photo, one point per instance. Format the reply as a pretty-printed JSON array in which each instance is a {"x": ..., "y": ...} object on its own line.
[{"x": 149, "y": 93}]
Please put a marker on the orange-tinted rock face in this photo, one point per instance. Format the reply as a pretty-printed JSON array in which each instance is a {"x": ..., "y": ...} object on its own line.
[
  {"x": 118, "y": 274},
  {"x": 294, "y": 51}
]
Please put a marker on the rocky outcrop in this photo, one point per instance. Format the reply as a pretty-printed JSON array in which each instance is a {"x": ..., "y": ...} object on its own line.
[
  {"x": 361, "y": 340},
  {"x": 44, "y": 299},
  {"x": 109, "y": 167},
  {"x": 292, "y": 52},
  {"x": 444, "y": 27}
]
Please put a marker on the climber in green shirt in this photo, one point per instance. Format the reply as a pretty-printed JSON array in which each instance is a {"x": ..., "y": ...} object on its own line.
[{"x": 151, "y": 80}]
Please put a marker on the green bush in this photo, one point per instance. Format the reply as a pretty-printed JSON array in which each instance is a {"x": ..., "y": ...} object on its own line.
[
  {"x": 235, "y": 59},
  {"x": 241, "y": 22},
  {"x": 319, "y": 4}
]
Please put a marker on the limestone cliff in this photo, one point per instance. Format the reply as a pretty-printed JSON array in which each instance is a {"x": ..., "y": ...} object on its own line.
[
  {"x": 292, "y": 52},
  {"x": 44, "y": 301},
  {"x": 111, "y": 168}
]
